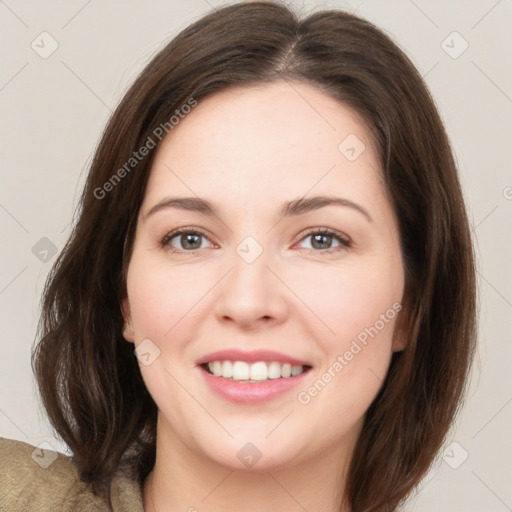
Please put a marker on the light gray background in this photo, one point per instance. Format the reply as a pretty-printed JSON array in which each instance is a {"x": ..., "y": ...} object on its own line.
[{"x": 54, "y": 110}]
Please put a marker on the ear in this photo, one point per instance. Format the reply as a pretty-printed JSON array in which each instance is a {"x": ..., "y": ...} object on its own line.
[
  {"x": 401, "y": 331},
  {"x": 128, "y": 333}
]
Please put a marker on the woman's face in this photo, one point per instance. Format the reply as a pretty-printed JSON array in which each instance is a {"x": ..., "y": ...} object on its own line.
[{"x": 260, "y": 282}]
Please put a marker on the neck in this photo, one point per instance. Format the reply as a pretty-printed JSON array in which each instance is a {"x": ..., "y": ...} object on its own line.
[{"x": 184, "y": 480}]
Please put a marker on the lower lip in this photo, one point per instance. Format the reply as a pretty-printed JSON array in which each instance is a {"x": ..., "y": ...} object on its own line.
[{"x": 249, "y": 393}]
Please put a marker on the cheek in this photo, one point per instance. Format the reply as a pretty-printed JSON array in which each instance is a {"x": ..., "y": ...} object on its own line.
[
  {"x": 349, "y": 298},
  {"x": 357, "y": 359},
  {"x": 359, "y": 305},
  {"x": 161, "y": 298}
]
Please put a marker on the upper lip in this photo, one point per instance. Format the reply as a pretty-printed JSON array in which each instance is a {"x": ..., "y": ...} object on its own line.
[{"x": 252, "y": 356}]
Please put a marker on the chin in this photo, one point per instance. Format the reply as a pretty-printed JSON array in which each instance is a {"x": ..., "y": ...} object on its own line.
[{"x": 255, "y": 453}]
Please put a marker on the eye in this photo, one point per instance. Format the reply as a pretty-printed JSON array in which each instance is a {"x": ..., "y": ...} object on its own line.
[
  {"x": 189, "y": 239},
  {"x": 322, "y": 239}
]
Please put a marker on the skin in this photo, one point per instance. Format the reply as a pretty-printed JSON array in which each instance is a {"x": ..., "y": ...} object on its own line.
[{"x": 248, "y": 150}]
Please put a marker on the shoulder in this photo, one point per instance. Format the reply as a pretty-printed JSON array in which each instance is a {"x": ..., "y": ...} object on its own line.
[{"x": 33, "y": 478}]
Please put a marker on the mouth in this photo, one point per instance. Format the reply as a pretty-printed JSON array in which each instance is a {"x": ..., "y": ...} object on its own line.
[
  {"x": 259, "y": 371},
  {"x": 251, "y": 377}
]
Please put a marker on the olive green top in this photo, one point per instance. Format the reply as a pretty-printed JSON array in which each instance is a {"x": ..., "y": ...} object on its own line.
[{"x": 38, "y": 479}]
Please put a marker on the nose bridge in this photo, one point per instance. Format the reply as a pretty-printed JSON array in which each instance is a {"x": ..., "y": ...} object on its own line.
[
  {"x": 250, "y": 262},
  {"x": 250, "y": 290}
]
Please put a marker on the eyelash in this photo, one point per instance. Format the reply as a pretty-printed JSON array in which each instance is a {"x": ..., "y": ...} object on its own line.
[{"x": 344, "y": 242}]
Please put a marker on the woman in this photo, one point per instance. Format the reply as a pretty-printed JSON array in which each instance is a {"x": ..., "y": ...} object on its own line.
[{"x": 311, "y": 347}]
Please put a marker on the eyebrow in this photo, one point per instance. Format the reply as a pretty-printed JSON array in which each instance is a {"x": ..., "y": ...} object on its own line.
[{"x": 290, "y": 208}]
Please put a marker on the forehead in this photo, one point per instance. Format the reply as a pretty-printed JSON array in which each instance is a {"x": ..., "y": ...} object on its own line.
[{"x": 262, "y": 141}]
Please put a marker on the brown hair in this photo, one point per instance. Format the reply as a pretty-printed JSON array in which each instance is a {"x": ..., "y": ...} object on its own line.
[{"x": 88, "y": 376}]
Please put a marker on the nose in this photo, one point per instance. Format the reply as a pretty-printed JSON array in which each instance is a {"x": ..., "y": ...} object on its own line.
[{"x": 251, "y": 294}]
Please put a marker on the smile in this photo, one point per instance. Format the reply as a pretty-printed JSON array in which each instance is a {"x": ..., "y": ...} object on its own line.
[
  {"x": 251, "y": 377},
  {"x": 253, "y": 372}
]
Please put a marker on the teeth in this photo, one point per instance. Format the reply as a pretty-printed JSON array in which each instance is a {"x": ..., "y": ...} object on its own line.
[
  {"x": 274, "y": 370},
  {"x": 217, "y": 370},
  {"x": 258, "y": 371},
  {"x": 240, "y": 370},
  {"x": 255, "y": 372},
  {"x": 286, "y": 370},
  {"x": 227, "y": 369},
  {"x": 296, "y": 370}
]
